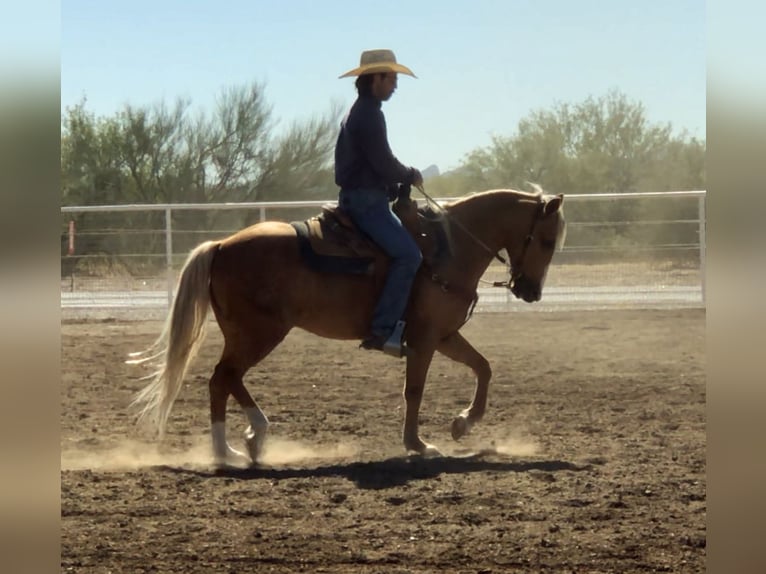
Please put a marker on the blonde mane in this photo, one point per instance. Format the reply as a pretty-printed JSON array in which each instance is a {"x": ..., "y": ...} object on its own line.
[{"x": 537, "y": 194}]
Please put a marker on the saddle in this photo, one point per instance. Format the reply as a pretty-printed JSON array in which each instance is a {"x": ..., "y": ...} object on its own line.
[{"x": 332, "y": 242}]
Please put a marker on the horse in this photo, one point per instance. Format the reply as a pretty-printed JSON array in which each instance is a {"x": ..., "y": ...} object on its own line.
[{"x": 260, "y": 287}]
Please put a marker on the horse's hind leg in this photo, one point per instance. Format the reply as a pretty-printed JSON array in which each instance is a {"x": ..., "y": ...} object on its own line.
[
  {"x": 458, "y": 349},
  {"x": 224, "y": 379},
  {"x": 238, "y": 357}
]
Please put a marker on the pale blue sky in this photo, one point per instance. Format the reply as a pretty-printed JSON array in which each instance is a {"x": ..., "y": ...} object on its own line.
[{"x": 482, "y": 65}]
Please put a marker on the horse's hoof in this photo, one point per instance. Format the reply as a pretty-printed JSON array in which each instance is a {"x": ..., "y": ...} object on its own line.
[
  {"x": 254, "y": 442},
  {"x": 425, "y": 450},
  {"x": 430, "y": 451},
  {"x": 231, "y": 460},
  {"x": 460, "y": 427}
]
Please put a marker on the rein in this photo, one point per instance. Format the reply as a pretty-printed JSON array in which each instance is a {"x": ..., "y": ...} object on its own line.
[
  {"x": 472, "y": 297},
  {"x": 439, "y": 208},
  {"x": 515, "y": 272}
]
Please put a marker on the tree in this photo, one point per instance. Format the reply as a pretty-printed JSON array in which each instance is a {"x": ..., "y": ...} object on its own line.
[
  {"x": 298, "y": 165},
  {"x": 163, "y": 154},
  {"x": 601, "y": 145},
  {"x": 160, "y": 154}
]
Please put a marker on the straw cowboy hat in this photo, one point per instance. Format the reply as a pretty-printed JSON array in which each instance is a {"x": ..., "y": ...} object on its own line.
[{"x": 375, "y": 61}]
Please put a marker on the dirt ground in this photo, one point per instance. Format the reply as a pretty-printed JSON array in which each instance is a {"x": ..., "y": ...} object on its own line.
[{"x": 591, "y": 457}]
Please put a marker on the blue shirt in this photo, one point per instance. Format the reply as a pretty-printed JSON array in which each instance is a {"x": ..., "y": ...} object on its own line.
[{"x": 363, "y": 158}]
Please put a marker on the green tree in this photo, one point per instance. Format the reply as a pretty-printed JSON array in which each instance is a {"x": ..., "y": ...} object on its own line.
[
  {"x": 600, "y": 145},
  {"x": 164, "y": 154}
]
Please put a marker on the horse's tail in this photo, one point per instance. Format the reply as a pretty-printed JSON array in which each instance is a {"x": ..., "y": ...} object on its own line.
[{"x": 181, "y": 337}]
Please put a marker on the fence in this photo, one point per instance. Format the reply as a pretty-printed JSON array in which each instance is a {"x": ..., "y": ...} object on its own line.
[{"x": 624, "y": 249}]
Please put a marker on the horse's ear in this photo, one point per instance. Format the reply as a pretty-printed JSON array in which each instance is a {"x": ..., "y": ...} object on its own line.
[{"x": 553, "y": 205}]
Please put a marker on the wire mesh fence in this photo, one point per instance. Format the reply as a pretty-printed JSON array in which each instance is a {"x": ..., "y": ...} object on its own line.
[{"x": 632, "y": 249}]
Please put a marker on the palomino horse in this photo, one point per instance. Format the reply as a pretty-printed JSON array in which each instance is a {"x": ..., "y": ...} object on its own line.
[{"x": 260, "y": 288}]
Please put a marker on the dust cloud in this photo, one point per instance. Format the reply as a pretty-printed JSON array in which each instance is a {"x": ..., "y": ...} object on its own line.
[
  {"x": 502, "y": 445},
  {"x": 516, "y": 447},
  {"x": 279, "y": 451},
  {"x": 133, "y": 455},
  {"x": 507, "y": 446}
]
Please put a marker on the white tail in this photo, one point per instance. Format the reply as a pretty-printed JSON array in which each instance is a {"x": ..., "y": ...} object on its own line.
[{"x": 181, "y": 337}]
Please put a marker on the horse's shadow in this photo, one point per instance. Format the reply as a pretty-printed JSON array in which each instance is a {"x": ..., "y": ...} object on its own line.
[{"x": 387, "y": 473}]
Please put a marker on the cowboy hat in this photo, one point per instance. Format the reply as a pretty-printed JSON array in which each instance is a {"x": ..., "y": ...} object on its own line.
[{"x": 374, "y": 61}]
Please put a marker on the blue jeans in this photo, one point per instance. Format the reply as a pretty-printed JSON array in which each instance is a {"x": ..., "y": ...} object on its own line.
[{"x": 370, "y": 210}]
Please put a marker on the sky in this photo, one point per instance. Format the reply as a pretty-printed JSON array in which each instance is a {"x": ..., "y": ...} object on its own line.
[{"x": 482, "y": 65}]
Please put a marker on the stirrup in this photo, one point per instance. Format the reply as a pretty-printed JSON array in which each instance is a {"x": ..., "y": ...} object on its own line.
[{"x": 394, "y": 345}]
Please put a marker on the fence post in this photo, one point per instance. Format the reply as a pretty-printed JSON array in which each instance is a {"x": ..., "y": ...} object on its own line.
[
  {"x": 169, "y": 254},
  {"x": 70, "y": 247},
  {"x": 702, "y": 240}
]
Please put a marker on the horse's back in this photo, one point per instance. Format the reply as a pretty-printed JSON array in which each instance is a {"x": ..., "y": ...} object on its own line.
[
  {"x": 260, "y": 271},
  {"x": 263, "y": 231}
]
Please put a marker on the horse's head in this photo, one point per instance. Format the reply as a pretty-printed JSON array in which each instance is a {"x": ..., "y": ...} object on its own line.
[{"x": 531, "y": 253}]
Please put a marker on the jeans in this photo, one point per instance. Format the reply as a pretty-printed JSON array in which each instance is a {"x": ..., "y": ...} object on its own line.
[{"x": 370, "y": 210}]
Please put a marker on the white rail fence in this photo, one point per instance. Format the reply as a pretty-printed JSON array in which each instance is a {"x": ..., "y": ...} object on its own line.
[{"x": 624, "y": 249}]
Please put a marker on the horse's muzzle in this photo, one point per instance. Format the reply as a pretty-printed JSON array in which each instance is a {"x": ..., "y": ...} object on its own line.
[{"x": 524, "y": 288}]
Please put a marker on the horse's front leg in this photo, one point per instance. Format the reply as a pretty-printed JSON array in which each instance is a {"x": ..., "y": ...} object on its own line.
[
  {"x": 458, "y": 349},
  {"x": 418, "y": 362}
]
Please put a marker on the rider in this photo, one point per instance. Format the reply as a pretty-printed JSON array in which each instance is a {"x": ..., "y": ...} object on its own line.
[{"x": 368, "y": 175}]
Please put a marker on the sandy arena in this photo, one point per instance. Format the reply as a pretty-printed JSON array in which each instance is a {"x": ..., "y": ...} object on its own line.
[{"x": 591, "y": 457}]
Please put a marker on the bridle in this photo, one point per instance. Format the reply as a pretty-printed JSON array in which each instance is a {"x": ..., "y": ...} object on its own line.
[{"x": 517, "y": 270}]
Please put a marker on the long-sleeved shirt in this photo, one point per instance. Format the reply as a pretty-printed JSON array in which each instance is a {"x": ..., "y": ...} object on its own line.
[{"x": 363, "y": 158}]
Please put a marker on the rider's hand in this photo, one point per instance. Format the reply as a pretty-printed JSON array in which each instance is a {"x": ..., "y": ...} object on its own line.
[
  {"x": 417, "y": 178},
  {"x": 403, "y": 196}
]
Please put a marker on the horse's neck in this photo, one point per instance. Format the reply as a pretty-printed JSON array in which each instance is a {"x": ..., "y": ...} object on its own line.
[{"x": 487, "y": 217}]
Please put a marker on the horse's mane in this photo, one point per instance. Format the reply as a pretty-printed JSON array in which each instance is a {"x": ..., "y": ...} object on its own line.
[
  {"x": 537, "y": 194},
  {"x": 515, "y": 195}
]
